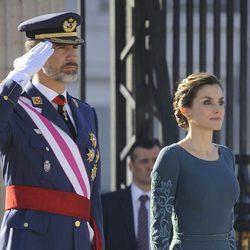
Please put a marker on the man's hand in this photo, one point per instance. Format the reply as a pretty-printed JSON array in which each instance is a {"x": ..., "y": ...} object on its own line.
[{"x": 31, "y": 62}]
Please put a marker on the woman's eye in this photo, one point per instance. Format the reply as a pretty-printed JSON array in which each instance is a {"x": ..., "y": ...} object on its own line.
[{"x": 207, "y": 102}]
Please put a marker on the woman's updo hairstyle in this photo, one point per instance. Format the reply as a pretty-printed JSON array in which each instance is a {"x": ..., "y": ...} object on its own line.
[{"x": 186, "y": 93}]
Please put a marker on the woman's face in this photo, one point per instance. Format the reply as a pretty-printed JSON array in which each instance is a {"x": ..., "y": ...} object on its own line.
[{"x": 207, "y": 110}]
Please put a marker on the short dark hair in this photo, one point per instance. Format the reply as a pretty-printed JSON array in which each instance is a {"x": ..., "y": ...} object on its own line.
[
  {"x": 148, "y": 144},
  {"x": 29, "y": 44}
]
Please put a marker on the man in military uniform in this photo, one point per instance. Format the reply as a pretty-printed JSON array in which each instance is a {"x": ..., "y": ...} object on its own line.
[{"x": 49, "y": 145}]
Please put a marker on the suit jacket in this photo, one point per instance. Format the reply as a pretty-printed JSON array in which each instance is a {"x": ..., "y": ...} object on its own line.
[
  {"x": 28, "y": 160},
  {"x": 118, "y": 220}
]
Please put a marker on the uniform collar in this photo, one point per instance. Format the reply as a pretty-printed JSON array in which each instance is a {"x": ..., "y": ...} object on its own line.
[{"x": 47, "y": 92}]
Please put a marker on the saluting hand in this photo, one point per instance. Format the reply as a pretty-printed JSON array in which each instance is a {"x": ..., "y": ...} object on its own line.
[{"x": 31, "y": 62}]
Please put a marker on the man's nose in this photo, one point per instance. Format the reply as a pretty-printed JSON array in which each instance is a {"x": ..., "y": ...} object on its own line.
[{"x": 71, "y": 53}]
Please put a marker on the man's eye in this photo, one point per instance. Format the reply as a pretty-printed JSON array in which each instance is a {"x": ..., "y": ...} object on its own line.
[
  {"x": 59, "y": 47},
  {"x": 144, "y": 161},
  {"x": 221, "y": 103}
]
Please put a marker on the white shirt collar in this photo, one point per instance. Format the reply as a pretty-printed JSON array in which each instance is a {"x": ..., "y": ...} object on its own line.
[
  {"x": 47, "y": 92},
  {"x": 137, "y": 192}
]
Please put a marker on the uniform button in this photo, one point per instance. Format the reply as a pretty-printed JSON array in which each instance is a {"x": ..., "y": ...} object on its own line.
[
  {"x": 5, "y": 97},
  {"x": 46, "y": 166},
  {"x": 26, "y": 224},
  {"x": 47, "y": 148},
  {"x": 77, "y": 223}
]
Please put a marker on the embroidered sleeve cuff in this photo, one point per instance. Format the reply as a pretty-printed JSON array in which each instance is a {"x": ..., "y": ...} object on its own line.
[{"x": 18, "y": 77}]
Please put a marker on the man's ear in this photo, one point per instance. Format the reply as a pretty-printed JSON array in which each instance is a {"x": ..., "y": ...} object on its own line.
[{"x": 130, "y": 165}]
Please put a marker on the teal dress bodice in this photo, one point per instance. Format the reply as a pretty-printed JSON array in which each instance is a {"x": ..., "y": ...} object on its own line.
[{"x": 194, "y": 196}]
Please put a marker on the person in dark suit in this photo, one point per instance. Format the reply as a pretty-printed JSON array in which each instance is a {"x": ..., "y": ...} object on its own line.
[
  {"x": 121, "y": 208},
  {"x": 49, "y": 145}
]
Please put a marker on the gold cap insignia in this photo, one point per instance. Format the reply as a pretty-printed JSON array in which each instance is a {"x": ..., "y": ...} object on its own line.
[
  {"x": 75, "y": 102},
  {"x": 93, "y": 172},
  {"x": 69, "y": 25},
  {"x": 91, "y": 155},
  {"x": 93, "y": 140},
  {"x": 97, "y": 156},
  {"x": 37, "y": 100}
]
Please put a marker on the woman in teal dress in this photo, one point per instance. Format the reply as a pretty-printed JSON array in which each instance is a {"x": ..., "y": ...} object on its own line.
[{"x": 194, "y": 187}]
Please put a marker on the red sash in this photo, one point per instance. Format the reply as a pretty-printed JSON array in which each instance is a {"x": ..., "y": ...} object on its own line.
[{"x": 47, "y": 200}]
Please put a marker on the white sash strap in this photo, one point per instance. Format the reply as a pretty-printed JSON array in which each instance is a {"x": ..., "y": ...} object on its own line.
[{"x": 64, "y": 148}]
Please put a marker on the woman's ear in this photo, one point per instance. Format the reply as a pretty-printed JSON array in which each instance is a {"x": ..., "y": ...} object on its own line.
[{"x": 185, "y": 111}]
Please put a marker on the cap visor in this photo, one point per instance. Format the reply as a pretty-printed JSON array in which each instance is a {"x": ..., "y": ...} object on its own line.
[{"x": 66, "y": 40}]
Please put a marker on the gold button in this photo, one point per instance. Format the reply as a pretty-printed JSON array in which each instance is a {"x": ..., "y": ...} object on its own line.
[
  {"x": 5, "y": 97},
  {"x": 26, "y": 224},
  {"x": 77, "y": 223}
]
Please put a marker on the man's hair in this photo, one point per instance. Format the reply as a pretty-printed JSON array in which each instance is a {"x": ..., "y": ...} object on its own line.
[
  {"x": 30, "y": 43},
  {"x": 148, "y": 144}
]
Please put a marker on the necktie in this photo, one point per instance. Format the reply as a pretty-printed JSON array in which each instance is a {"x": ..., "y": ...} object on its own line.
[
  {"x": 61, "y": 101},
  {"x": 143, "y": 234}
]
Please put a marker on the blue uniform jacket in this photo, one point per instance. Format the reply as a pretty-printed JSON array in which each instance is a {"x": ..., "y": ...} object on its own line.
[{"x": 28, "y": 160}]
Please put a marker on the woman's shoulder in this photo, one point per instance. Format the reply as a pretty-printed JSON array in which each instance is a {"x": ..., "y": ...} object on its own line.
[
  {"x": 224, "y": 149},
  {"x": 168, "y": 161},
  {"x": 225, "y": 152},
  {"x": 170, "y": 151}
]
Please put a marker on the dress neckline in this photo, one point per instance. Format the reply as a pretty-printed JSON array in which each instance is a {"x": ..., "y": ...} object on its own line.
[{"x": 195, "y": 157}]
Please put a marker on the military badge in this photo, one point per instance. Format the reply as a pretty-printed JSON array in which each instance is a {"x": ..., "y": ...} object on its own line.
[
  {"x": 65, "y": 114},
  {"x": 69, "y": 25},
  {"x": 91, "y": 155},
  {"x": 97, "y": 156},
  {"x": 75, "y": 102},
  {"x": 93, "y": 140},
  {"x": 47, "y": 166},
  {"x": 93, "y": 172},
  {"x": 37, "y": 100}
]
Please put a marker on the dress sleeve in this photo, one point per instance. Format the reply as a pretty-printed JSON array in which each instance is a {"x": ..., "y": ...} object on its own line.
[
  {"x": 163, "y": 189},
  {"x": 231, "y": 236}
]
